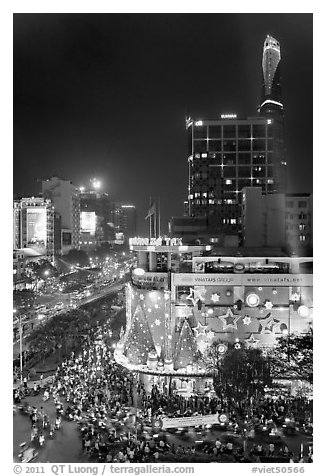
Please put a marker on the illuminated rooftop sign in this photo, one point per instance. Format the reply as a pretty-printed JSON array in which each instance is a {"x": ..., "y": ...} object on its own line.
[
  {"x": 229, "y": 116},
  {"x": 155, "y": 241}
]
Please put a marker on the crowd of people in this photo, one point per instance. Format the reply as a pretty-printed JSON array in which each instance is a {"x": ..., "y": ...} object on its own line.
[{"x": 119, "y": 420}]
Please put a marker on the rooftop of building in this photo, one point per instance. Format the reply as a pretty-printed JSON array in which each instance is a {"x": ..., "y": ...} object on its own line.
[
  {"x": 56, "y": 178},
  {"x": 248, "y": 252},
  {"x": 301, "y": 194},
  {"x": 224, "y": 118}
]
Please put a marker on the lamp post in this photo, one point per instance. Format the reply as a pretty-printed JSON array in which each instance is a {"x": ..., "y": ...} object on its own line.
[{"x": 20, "y": 345}]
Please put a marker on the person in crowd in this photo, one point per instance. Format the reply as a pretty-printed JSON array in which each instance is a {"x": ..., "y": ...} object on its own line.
[{"x": 95, "y": 398}]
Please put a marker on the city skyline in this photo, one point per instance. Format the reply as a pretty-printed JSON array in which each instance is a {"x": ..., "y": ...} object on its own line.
[{"x": 87, "y": 88}]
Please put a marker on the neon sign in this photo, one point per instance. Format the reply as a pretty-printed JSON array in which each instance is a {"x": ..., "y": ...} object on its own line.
[{"x": 155, "y": 241}]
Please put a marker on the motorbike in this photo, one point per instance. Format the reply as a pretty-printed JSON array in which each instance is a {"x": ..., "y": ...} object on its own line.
[{"x": 28, "y": 453}]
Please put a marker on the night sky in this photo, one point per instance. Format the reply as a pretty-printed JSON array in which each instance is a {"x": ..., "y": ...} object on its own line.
[{"x": 106, "y": 95}]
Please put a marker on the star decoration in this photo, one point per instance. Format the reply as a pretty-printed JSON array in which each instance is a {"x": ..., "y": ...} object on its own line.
[
  {"x": 295, "y": 297},
  {"x": 215, "y": 298},
  {"x": 267, "y": 324},
  {"x": 201, "y": 289},
  {"x": 229, "y": 320},
  {"x": 202, "y": 346},
  {"x": 268, "y": 305},
  {"x": 246, "y": 320},
  {"x": 200, "y": 329},
  {"x": 251, "y": 341},
  {"x": 237, "y": 346},
  {"x": 210, "y": 335},
  {"x": 186, "y": 311},
  {"x": 195, "y": 296},
  {"x": 157, "y": 322}
]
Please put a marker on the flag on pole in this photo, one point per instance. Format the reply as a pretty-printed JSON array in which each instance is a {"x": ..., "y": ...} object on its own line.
[{"x": 151, "y": 210}]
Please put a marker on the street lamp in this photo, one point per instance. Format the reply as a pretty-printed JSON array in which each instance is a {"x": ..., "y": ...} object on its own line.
[{"x": 20, "y": 345}]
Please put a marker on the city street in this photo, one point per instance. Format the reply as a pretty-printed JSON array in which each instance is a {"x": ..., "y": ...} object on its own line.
[
  {"x": 66, "y": 446},
  {"x": 109, "y": 290}
]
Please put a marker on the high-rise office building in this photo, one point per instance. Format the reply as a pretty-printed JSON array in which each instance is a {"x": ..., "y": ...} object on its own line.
[
  {"x": 124, "y": 218},
  {"x": 95, "y": 210},
  {"x": 226, "y": 155},
  {"x": 34, "y": 225},
  {"x": 271, "y": 92},
  {"x": 65, "y": 198}
]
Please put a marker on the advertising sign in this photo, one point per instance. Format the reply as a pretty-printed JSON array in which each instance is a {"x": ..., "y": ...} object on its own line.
[
  {"x": 190, "y": 421},
  {"x": 36, "y": 228},
  {"x": 160, "y": 280},
  {"x": 88, "y": 222},
  {"x": 194, "y": 279},
  {"x": 155, "y": 241}
]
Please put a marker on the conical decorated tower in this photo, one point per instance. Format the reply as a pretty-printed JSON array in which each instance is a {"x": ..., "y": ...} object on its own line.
[
  {"x": 185, "y": 348},
  {"x": 139, "y": 341}
]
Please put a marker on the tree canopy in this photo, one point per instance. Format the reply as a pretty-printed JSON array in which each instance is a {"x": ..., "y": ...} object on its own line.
[
  {"x": 293, "y": 357},
  {"x": 239, "y": 372}
]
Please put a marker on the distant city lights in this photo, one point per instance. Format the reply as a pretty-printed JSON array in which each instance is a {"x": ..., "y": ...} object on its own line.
[
  {"x": 96, "y": 184},
  {"x": 229, "y": 116}
]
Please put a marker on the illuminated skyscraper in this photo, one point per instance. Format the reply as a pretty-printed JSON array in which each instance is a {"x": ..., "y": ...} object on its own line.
[
  {"x": 124, "y": 218},
  {"x": 95, "y": 209},
  {"x": 228, "y": 154},
  {"x": 224, "y": 156},
  {"x": 271, "y": 93}
]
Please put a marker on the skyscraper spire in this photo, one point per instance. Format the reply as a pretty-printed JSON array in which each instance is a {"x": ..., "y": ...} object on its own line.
[{"x": 271, "y": 93}]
